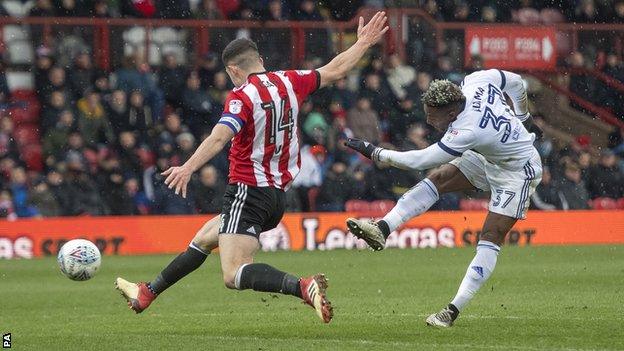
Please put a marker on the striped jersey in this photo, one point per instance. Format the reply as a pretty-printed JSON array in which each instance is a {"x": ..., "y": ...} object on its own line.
[{"x": 263, "y": 113}]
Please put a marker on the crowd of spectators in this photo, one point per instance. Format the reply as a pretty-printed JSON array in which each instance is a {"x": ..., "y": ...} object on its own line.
[{"x": 107, "y": 136}]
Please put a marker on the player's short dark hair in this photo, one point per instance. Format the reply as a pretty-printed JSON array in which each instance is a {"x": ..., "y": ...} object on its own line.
[
  {"x": 240, "y": 52},
  {"x": 442, "y": 93}
]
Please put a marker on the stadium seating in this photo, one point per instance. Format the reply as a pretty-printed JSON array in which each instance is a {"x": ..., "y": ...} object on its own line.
[{"x": 604, "y": 203}]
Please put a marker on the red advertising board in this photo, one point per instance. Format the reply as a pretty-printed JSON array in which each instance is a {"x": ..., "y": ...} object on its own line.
[
  {"x": 303, "y": 231},
  {"x": 512, "y": 47}
]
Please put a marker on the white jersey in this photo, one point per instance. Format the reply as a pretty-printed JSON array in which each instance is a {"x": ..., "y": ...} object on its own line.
[{"x": 487, "y": 125}]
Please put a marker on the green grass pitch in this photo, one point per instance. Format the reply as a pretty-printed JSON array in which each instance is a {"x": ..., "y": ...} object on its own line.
[{"x": 539, "y": 298}]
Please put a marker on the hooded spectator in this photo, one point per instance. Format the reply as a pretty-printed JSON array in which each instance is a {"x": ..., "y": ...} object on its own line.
[{"x": 606, "y": 178}]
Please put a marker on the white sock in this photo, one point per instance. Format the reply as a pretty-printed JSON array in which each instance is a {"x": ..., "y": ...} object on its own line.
[
  {"x": 414, "y": 202},
  {"x": 478, "y": 272}
]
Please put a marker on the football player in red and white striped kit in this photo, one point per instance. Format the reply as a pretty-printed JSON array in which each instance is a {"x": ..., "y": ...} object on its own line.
[{"x": 260, "y": 117}]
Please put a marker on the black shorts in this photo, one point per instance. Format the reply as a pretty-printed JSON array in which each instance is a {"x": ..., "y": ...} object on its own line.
[{"x": 251, "y": 210}]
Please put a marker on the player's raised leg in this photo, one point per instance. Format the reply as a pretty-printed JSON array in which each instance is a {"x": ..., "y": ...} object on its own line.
[
  {"x": 479, "y": 270},
  {"x": 446, "y": 178},
  {"x": 141, "y": 295},
  {"x": 240, "y": 272}
]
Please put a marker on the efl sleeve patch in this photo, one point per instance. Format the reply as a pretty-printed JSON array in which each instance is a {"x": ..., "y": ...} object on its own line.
[{"x": 235, "y": 106}]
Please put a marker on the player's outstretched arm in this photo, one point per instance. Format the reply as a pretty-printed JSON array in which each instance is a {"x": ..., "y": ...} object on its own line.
[
  {"x": 428, "y": 158},
  {"x": 367, "y": 36},
  {"x": 179, "y": 177}
]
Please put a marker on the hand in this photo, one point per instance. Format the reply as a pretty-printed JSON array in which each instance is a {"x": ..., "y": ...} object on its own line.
[
  {"x": 361, "y": 146},
  {"x": 179, "y": 178},
  {"x": 370, "y": 33}
]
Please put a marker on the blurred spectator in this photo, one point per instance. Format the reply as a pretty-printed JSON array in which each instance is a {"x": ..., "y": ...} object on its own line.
[
  {"x": 55, "y": 106},
  {"x": 545, "y": 196},
  {"x": 19, "y": 192},
  {"x": 114, "y": 193},
  {"x": 92, "y": 120},
  {"x": 5, "y": 92},
  {"x": 606, "y": 178},
  {"x": 173, "y": 127},
  {"x": 55, "y": 138},
  {"x": 8, "y": 146},
  {"x": 618, "y": 13},
  {"x": 74, "y": 8},
  {"x": 416, "y": 138},
  {"x": 6, "y": 206},
  {"x": 401, "y": 119},
  {"x": 82, "y": 75},
  {"x": 185, "y": 146},
  {"x": 60, "y": 191},
  {"x": 173, "y": 9},
  {"x": 379, "y": 95},
  {"x": 379, "y": 188},
  {"x": 128, "y": 157},
  {"x": 139, "y": 199},
  {"x": 118, "y": 111},
  {"x": 172, "y": 79},
  {"x": 587, "y": 12},
  {"x": 341, "y": 93},
  {"x": 42, "y": 198},
  {"x": 311, "y": 172},
  {"x": 197, "y": 106},
  {"x": 56, "y": 82},
  {"x": 337, "y": 188},
  {"x": 400, "y": 76},
  {"x": 209, "y": 9},
  {"x": 140, "y": 116},
  {"x": 315, "y": 126},
  {"x": 580, "y": 84},
  {"x": 83, "y": 192},
  {"x": 165, "y": 201},
  {"x": 42, "y": 8},
  {"x": 135, "y": 75},
  {"x": 615, "y": 69},
  {"x": 43, "y": 64},
  {"x": 364, "y": 121},
  {"x": 572, "y": 190},
  {"x": 209, "y": 191},
  {"x": 208, "y": 67}
]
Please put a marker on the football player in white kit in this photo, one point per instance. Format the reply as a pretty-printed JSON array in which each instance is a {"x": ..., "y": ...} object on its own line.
[{"x": 486, "y": 146}]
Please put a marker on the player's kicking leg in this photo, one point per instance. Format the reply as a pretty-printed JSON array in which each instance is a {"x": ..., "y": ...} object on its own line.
[
  {"x": 416, "y": 201},
  {"x": 141, "y": 295},
  {"x": 479, "y": 270},
  {"x": 239, "y": 272}
]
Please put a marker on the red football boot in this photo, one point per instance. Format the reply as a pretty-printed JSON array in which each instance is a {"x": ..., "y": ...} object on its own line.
[
  {"x": 314, "y": 291},
  {"x": 139, "y": 296}
]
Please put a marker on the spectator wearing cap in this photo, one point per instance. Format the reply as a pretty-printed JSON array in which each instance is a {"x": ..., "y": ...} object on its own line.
[
  {"x": 606, "y": 178},
  {"x": 209, "y": 190},
  {"x": 171, "y": 79},
  {"x": 93, "y": 121},
  {"x": 197, "y": 106},
  {"x": 571, "y": 189},
  {"x": 42, "y": 198}
]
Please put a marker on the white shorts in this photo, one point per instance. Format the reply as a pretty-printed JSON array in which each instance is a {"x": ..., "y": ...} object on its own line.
[{"x": 510, "y": 190}]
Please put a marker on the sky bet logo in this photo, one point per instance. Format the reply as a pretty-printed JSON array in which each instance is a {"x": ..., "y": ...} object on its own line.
[{"x": 6, "y": 341}]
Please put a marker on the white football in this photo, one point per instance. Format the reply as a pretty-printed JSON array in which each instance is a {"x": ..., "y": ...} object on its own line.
[{"x": 79, "y": 259}]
